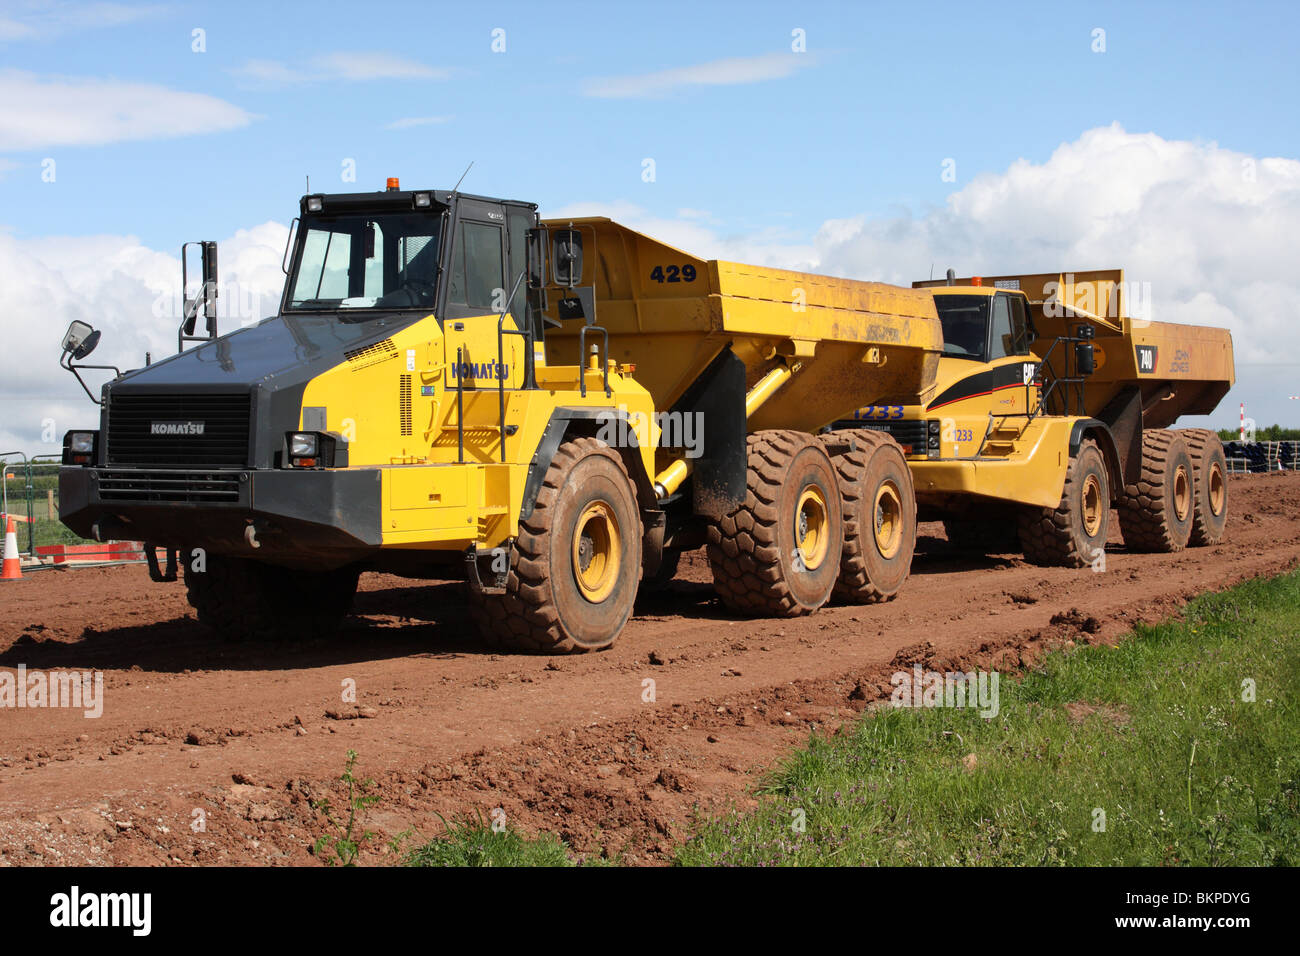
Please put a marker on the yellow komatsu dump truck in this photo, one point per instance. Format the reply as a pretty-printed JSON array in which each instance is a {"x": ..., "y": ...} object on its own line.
[
  {"x": 1052, "y": 404},
  {"x": 554, "y": 410}
]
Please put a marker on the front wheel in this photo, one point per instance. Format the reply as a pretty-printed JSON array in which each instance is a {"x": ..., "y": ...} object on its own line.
[
  {"x": 577, "y": 561},
  {"x": 245, "y": 600},
  {"x": 1073, "y": 534}
]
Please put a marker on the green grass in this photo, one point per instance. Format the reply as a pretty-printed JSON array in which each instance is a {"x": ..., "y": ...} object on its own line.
[
  {"x": 474, "y": 843},
  {"x": 1185, "y": 771}
]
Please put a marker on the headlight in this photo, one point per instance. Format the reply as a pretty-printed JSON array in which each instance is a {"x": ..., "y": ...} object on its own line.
[
  {"x": 314, "y": 203},
  {"x": 82, "y": 443},
  {"x": 302, "y": 445},
  {"x": 421, "y": 200}
]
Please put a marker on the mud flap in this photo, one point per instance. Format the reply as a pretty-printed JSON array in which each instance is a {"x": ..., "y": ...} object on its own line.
[
  {"x": 156, "y": 573},
  {"x": 498, "y": 568}
]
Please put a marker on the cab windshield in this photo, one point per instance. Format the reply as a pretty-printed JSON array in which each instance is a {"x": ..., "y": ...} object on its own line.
[
  {"x": 365, "y": 261},
  {"x": 965, "y": 324}
]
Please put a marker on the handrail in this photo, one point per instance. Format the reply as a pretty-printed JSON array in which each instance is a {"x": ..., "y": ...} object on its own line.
[
  {"x": 460, "y": 404},
  {"x": 527, "y": 335},
  {"x": 582, "y": 358}
]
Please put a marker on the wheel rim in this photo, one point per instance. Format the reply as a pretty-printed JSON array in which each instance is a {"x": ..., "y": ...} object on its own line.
[
  {"x": 812, "y": 527},
  {"x": 1218, "y": 490},
  {"x": 597, "y": 551},
  {"x": 888, "y": 519},
  {"x": 1093, "y": 508},
  {"x": 1182, "y": 493}
]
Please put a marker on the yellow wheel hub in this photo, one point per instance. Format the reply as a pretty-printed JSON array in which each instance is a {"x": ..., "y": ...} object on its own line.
[
  {"x": 1218, "y": 491},
  {"x": 1182, "y": 493},
  {"x": 887, "y": 520},
  {"x": 1093, "y": 507},
  {"x": 597, "y": 551},
  {"x": 812, "y": 527}
]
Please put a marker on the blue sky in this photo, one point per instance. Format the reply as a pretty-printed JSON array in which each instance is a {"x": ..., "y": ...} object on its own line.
[
  {"x": 884, "y": 94},
  {"x": 1173, "y": 152}
]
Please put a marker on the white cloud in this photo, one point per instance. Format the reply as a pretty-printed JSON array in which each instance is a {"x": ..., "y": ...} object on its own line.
[
  {"x": 45, "y": 20},
  {"x": 728, "y": 72},
  {"x": 269, "y": 73},
  {"x": 43, "y": 112},
  {"x": 344, "y": 66},
  {"x": 771, "y": 246},
  {"x": 377, "y": 66},
  {"x": 128, "y": 291},
  {"x": 1211, "y": 229},
  {"x": 407, "y": 122}
]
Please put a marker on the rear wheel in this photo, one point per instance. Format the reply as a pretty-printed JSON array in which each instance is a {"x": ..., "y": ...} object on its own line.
[
  {"x": 1210, "y": 470},
  {"x": 1073, "y": 534},
  {"x": 879, "y": 516},
  {"x": 246, "y": 600},
  {"x": 1157, "y": 510},
  {"x": 778, "y": 554},
  {"x": 576, "y": 563}
]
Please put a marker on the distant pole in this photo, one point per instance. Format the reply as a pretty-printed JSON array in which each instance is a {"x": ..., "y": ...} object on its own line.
[{"x": 1243, "y": 421}]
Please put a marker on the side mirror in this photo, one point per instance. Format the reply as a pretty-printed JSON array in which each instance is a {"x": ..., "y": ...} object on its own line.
[
  {"x": 566, "y": 254},
  {"x": 1085, "y": 359},
  {"x": 80, "y": 339}
]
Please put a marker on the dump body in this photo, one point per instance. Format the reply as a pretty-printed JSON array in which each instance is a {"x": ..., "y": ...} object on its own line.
[{"x": 672, "y": 314}]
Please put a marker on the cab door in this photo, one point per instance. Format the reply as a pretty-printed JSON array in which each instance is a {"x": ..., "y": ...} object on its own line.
[{"x": 1014, "y": 390}]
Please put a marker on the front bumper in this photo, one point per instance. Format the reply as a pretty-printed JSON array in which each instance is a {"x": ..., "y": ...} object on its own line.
[{"x": 326, "y": 517}]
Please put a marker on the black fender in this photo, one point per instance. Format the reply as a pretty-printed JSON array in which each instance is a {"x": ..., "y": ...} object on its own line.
[
  {"x": 1100, "y": 432},
  {"x": 569, "y": 422}
]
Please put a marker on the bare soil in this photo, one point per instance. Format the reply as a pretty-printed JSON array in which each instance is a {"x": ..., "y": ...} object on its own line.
[{"x": 214, "y": 753}]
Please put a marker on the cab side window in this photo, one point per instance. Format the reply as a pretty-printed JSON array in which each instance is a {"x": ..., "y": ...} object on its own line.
[
  {"x": 1020, "y": 336},
  {"x": 477, "y": 269},
  {"x": 1001, "y": 340}
]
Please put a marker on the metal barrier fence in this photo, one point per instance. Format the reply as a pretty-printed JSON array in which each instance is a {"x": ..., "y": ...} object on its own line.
[
  {"x": 1261, "y": 457},
  {"x": 30, "y": 490}
]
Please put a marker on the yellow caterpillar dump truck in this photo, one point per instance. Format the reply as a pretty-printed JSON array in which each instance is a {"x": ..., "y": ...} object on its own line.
[
  {"x": 1051, "y": 405},
  {"x": 553, "y": 410}
]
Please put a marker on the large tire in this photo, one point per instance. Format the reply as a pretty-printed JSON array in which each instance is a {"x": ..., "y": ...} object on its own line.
[
  {"x": 1157, "y": 510},
  {"x": 576, "y": 564},
  {"x": 982, "y": 536},
  {"x": 879, "y": 507},
  {"x": 778, "y": 554},
  {"x": 1211, "y": 471},
  {"x": 1073, "y": 534},
  {"x": 246, "y": 600}
]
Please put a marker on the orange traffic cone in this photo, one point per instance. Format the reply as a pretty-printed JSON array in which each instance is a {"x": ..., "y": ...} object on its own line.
[{"x": 13, "y": 568}]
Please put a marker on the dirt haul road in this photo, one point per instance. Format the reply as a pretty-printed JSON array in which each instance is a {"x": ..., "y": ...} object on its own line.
[{"x": 214, "y": 753}]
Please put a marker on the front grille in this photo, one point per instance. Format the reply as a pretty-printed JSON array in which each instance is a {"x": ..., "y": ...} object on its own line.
[
  {"x": 908, "y": 432},
  {"x": 131, "y": 485},
  {"x": 132, "y": 419}
]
